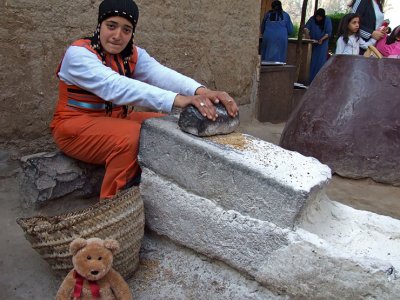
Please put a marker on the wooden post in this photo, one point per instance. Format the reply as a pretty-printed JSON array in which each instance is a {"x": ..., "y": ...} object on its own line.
[
  {"x": 315, "y": 6},
  {"x": 265, "y": 6},
  {"x": 299, "y": 48}
]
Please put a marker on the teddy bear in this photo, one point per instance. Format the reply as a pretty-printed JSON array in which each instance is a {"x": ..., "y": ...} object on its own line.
[{"x": 93, "y": 276}]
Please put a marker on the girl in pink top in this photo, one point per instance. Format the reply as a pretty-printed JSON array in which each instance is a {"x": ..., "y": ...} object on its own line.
[{"x": 390, "y": 45}]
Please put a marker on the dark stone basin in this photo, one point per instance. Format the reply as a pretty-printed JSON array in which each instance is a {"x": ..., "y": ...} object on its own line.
[{"x": 349, "y": 118}]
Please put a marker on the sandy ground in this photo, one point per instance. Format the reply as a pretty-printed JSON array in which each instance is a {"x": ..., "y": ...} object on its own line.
[{"x": 26, "y": 276}]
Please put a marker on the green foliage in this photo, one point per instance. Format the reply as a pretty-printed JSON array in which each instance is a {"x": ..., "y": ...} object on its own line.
[
  {"x": 335, "y": 17},
  {"x": 295, "y": 32}
]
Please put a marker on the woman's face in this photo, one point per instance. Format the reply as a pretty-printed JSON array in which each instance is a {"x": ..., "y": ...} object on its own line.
[{"x": 115, "y": 34}]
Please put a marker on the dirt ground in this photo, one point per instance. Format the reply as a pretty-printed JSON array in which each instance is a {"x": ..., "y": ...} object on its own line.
[{"x": 26, "y": 276}]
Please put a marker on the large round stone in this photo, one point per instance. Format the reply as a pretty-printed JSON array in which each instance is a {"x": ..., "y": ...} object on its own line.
[{"x": 349, "y": 118}]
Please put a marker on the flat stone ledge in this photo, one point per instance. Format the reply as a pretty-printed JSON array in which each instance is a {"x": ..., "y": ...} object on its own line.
[
  {"x": 297, "y": 263},
  {"x": 314, "y": 270},
  {"x": 237, "y": 172},
  {"x": 49, "y": 175},
  {"x": 200, "y": 224}
]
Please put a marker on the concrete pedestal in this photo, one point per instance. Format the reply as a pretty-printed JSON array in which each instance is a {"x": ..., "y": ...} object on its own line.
[
  {"x": 275, "y": 93},
  {"x": 304, "y": 74}
]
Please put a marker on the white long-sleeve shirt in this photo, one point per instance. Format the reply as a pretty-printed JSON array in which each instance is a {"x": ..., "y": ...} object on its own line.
[
  {"x": 153, "y": 85},
  {"x": 353, "y": 45}
]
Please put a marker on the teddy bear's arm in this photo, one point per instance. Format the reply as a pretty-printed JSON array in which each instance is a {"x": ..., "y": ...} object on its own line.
[
  {"x": 66, "y": 287},
  {"x": 119, "y": 286}
]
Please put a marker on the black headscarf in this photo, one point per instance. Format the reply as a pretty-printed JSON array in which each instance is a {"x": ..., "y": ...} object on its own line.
[
  {"x": 122, "y": 8},
  {"x": 276, "y": 11},
  {"x": 320, "y": 12},
  {"x": 126, "y": 9}
]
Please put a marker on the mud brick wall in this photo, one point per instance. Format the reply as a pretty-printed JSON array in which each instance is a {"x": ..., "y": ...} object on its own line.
[{"x": 213, "y": 41}]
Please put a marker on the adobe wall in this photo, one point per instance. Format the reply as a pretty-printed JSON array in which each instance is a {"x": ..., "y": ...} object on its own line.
[{"x": 213, "y": 41}]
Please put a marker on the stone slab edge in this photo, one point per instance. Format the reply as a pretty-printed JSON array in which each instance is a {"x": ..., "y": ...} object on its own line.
[
  {"x": 200, "y": 224},
  {"x": 295, "y": 263},
  {"x": 265, "y": 182}
]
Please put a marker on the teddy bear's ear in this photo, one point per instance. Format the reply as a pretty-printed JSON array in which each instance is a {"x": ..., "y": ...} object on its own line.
[
  {"x": 111, "y": 245},
  {"x": 76, "y": 245}
]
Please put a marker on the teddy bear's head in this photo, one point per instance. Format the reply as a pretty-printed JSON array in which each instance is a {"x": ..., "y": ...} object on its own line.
[{"x": 93, "y": 258}]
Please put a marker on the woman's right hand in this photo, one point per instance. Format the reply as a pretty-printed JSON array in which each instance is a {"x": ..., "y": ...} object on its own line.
[
  {"x": 201, "y": 102},
  {"x": 204, "y": 101},
  {"x": 377, "y": 35}
]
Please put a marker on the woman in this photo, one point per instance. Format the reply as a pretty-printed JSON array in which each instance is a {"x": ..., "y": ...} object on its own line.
[
  {"x": 99, "y": 77},
  {"x": 275, "y": 28},
  {"x": 389, "y": 46},
  {"x": 372, "y": 17},
  {"x": 318, "y": 28}
]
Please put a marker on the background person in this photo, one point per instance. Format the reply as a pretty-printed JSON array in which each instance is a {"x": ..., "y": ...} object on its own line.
[
  {"x": 275, "y": 29},
  {"x": 389, "y": 46},
  {"x": 349, "y": 41},
  {"x": 318, "y": 28},
  {"x": 372, "y": 17},
  {"x": 99, "y": 77}
]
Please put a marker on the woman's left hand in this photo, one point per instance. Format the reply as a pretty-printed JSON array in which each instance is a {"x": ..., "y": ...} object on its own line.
[{"x": 220, "y": 96}]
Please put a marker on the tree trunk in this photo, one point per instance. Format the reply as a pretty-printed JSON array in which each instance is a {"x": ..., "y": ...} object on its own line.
[{"x": 299, "y": 48}]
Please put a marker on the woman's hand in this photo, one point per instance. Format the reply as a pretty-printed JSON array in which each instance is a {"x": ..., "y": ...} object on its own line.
[
  {"x": 204, "y": 101},
  {"x": 321, "y": 40},
  {"x": 377, "y": 35},
  {"x": 306, "y": 33}
]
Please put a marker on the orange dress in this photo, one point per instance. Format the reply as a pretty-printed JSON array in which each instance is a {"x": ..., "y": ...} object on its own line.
[{"x": 83, "y": 129}]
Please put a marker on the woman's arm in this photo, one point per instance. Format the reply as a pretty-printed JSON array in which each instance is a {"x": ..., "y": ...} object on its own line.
[
  {"x": 327, "y": 31},
  {"x": 289, "y": 24},
  {"x": 150, "y": 71},
  {"x": 189, "y": 92},
  {"x": 307, "y": 29},
  {"x": 364, "y": 44},
  {"x": 387, "y": 50},
  {"x": 324, "y": 37},
  {"x": 83, "y": 68},
  {"x": 328, "y": 27},
  {"x": 262, "y": 27}
]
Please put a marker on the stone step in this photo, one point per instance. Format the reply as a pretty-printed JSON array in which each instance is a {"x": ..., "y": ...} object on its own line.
[
  {"x": 261, "y": 210},
  {"x": 294, "y": 262},
  {"x": 237, "y": 172}
]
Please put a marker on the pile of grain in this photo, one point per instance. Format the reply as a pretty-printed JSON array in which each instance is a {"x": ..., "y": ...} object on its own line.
[{"x": 235, "y": 140}]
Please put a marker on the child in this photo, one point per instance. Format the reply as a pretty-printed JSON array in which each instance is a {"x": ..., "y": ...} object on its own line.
[
  {"x": 389, "y": 46},
  {"x": 349, "y": 41}
]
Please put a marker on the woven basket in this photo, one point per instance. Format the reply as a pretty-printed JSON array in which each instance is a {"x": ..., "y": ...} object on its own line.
[{"x": 120, "y": 218}]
